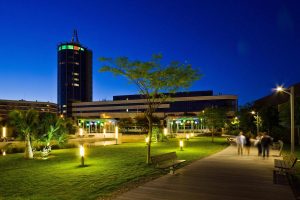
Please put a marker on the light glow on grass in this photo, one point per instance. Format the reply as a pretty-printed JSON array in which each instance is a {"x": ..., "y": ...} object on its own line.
[{"x": 110, "y": 168}]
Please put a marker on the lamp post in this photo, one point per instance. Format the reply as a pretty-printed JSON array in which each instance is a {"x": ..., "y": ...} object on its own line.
[
  {"x": 291, "y": 93},
  {"x": 181, "y": 145},
  {"x": 257, "y": 120},
  {"x": 81, "y": 150}
]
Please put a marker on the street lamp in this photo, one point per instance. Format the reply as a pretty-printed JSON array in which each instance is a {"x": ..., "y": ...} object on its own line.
[
  {"x": 291, "y": 93},
  {"x": 257, "y": 120}
]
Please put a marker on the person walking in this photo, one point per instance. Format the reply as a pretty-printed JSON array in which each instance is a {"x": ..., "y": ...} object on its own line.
[
  {"x": 248, "y": 143},
  {"x": 265, "y": 144},
  {"x": 258, "y": 143},
  {"x": 240, "y": 142}
]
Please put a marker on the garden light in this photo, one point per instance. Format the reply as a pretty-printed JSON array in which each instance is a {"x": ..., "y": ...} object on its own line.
[
  {"x": 4, "y": 153},
  {"x": 117, "y": 134},
  {"x": 187, "y": 136},
  {"x": 165, "y": 131},
  {"x": 104, "y": 132},
  {"x": 147, "y": 140},
  {"x": 181, "y": 145},
  {"x": 4, "y": 132},
  {"x": 81, "y": 149},
  {"x": 81, "y": 132}
]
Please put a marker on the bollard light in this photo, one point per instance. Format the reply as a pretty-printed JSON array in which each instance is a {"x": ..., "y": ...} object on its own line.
[
  {"x": 187, "y": 136},
  {"x": 81, "y": 132},
  {"x": 4, "y": 153},
  {"x": 117, "y": 134},
  {"x": 165, "y": 131},
  {"x": 4, "y": 132},
  {"x": 104, "y": 132},
  {"x": 181, "y": 145},
  {"x": 147, "y": 140},
  {"x": 81, "y": 149}
]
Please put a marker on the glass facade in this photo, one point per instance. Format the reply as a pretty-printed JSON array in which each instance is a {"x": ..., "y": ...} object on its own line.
[{"x": 74, "y": 76}]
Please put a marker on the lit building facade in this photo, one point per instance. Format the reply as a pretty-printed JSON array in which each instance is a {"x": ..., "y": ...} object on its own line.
[
  {"x": 95, "y": 114},
  {"x": 9, "y": 105},
  {"x": 74, "y": 64}
]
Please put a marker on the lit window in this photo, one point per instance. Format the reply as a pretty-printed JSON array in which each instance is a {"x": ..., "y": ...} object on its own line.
[
  {"x": 76, "y": 79},
  {"x": 75, "y": 84},
  {"x": 64, "y": 47},
  {"x": 70, "y": 46},
  {"x": 82, "y": 49},
  {"x": 64, "y": 106},
  {"x": 64, "y": 111},
  {"x": 76, "y": 48},
  {"x": 76, "y": 74}
]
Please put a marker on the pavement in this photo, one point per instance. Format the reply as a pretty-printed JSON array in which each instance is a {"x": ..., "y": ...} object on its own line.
[{"x": 222, "y": 176}]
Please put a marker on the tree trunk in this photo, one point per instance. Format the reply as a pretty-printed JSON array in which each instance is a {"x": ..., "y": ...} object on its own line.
[
  {"x": 150, "y": 139},
  {"x": 28, "y": 150}
]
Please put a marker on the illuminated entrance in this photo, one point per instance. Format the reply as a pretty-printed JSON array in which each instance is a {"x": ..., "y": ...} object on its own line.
[
  {"x": 185, "y": 125},
  {"x": 97, "y": 125}
]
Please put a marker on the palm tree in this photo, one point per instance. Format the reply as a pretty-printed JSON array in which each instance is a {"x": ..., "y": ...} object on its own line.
[
  {"x": 52, "y": 127},
  {"x": 25, "y": 122}
]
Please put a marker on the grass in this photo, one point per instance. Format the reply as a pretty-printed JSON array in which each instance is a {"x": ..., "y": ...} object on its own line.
[{"x": 109, "y": 168}]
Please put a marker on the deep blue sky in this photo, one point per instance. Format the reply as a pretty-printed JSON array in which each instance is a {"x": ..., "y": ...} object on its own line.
[{"x": 242, "y": 47}]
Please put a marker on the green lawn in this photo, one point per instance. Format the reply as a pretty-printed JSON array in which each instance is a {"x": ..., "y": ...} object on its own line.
[{"x": 108, "y": 169}]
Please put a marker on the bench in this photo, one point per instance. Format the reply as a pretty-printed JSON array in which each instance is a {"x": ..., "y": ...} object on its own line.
[
  {"x": 286, "y": 165},
  {"x": 167, "y": 160},
  {"x": 278, "y": 146}
]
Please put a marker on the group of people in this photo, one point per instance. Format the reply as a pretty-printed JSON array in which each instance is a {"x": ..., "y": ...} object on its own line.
[{"x": 262, "y": 142}]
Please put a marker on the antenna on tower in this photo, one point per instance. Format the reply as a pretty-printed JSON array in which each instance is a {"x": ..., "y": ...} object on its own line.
[{"x": 75, "y": 37}]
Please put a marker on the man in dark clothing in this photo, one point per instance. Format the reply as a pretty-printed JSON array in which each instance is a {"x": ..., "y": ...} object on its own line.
[{"x": 265, "y": 144}]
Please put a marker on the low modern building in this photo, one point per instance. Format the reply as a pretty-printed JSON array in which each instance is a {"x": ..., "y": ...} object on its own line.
[
  {"x": 131, "y": 106},
  {"x": 8, "y": 105}
]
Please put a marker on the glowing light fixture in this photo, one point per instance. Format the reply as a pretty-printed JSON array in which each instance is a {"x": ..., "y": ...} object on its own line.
[
  {"x": 81, "y": 132},
  {"x": 147, "y": 140},
  {"x": 181, "y": 145},
  {"x": 81, "y": 150},
  {"x": 117, "y": 134},
  {"x": 4, "y": 132},
  {"x": 187, "y": 136},
  {"x": 4, "y": 153},
  {"x": 165, "y": 131}
]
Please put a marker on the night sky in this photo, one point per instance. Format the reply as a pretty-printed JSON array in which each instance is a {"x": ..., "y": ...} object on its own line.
[{"x": 242, "y": 47}]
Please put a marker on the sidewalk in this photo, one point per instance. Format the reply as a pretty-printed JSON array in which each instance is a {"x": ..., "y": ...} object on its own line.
[{"x": 222, "y": 176}]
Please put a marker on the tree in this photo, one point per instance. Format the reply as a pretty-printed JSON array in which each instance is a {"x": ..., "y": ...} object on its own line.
[
  {"x": 25, "y": 122},
  {"x": 215, "y": 118},
  {"x": 52, "y": 128},
  {"x": 247, "y": 120},
  {"x": 154, "y": 80}
]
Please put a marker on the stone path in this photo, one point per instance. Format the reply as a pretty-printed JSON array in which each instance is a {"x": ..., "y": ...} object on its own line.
[{"x": 222, "y": 176}]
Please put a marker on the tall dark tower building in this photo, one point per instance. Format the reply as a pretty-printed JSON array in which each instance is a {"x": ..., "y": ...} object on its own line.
[{"x": 74, "y": 64}]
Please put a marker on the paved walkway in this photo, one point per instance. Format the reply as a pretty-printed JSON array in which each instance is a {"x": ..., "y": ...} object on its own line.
[{"x": 222, "y": 176}]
